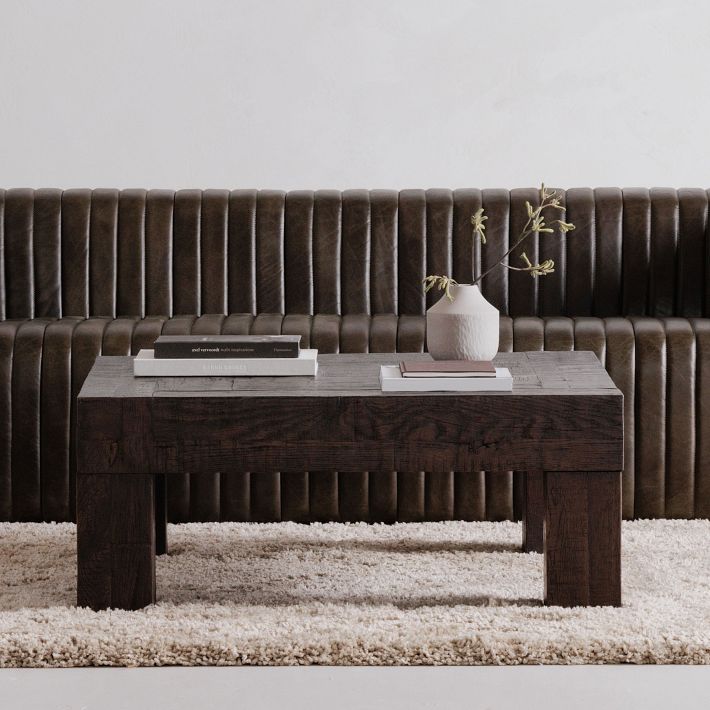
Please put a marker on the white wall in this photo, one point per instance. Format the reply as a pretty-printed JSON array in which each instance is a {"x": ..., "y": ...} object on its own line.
[{"x": 357, "y": 93}]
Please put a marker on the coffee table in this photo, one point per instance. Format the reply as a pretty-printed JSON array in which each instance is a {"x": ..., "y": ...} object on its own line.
[{"x": 562, "y": 425}]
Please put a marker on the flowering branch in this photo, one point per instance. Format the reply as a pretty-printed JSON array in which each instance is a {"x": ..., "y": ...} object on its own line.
[{"x": 535, "y": 224}]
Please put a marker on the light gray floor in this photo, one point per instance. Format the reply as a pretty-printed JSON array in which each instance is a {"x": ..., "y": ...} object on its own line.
[{"x": 494, "y": 688}]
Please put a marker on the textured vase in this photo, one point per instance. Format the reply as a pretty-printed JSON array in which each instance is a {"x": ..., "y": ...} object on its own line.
[{"x": 463, "y": 329}]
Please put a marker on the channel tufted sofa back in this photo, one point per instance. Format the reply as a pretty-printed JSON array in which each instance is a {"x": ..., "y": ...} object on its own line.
[
  {"x": 87, "y": 272},
  {"x": 136, "y": 253}
]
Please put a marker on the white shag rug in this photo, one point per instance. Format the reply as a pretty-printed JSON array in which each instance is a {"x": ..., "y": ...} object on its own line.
[{"x": 336, "y": 594}]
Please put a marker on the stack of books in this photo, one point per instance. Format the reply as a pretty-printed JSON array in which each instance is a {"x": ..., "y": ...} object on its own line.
[
  {"x": 226, "y": 355},
  {"x": 445, "y": 376}
]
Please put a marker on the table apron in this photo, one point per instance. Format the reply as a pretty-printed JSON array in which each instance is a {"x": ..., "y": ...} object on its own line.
[{"x": 135, "y": 436}]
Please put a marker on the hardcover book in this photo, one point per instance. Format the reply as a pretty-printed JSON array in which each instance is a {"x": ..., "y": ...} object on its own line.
[
  {"x": 227, "y": 346},
  {"x": 391, "y": 380},
  {"x": 448, "y": 368},
  {"x": 145, "y": 364}
]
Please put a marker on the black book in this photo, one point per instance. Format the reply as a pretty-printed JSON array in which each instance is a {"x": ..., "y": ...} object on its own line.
[{"x": 226, "y": 346}]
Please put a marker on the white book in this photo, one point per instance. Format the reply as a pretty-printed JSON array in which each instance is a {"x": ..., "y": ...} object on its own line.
[
  {"x": 145, "y": 365},
  {"x": 392, "y": 381}
]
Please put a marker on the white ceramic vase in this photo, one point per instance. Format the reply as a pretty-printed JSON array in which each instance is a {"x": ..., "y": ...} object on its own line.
[{"x": 463, "y": 329}]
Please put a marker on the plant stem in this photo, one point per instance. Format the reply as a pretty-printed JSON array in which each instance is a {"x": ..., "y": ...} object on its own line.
[{"x": 526, "y": 233}]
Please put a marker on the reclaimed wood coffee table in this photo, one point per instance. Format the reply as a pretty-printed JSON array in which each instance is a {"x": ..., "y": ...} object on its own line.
[{"x": 562, "y": 425}]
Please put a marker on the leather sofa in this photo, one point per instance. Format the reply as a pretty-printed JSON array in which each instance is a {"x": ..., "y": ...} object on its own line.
[{"x": 88, "y": 272}]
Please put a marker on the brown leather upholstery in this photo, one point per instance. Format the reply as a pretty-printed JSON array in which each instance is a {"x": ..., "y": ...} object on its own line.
[{"x": 86, "y": 272}]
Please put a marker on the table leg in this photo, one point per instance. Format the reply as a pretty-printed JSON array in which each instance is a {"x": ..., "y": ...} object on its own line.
[
  {"x": 582, "y": 538},
  {"x": 115, "y": 540},
  {"x": 161, "y": 514},
  {"x": 533, "y": 511}
]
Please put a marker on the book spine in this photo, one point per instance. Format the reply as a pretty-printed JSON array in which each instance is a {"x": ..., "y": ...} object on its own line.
[{"x": 195, "y": 351}]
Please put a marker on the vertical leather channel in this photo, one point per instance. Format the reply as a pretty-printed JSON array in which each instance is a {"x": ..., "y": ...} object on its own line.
[
  {"x": 270, "y": 251},
  {"x": 76, "y": 218},
  {"x": 8, "y": 331},
  {"x": 384, "y": 206},
  {"x": 559, "y": 334},
  {"x": 411, "y": 496},
  {"x": 411, "y": 252},
  {"x": 439, "y": 495},
  {"x": 579, "y": 276},
  {"x": 651, "y": 388},
  {"x": 19, "y": 266},
  {"x": 213, "y": 251},
  {"x": 327, "y": 231},
  {"x": 636, "y": 252},
  {"x": 692, "y": 228},
  {"x": 323, "y": 496},
  {"x": 383, "y": 333},
  {"x": 146, "y": 332},
  {"x": 103, "y": 245},
  {"x": 296, "y": 324},
  {"x": 505, "y": 332},
  {"x": 551, "y": 292},
  {"x": 355, "y": 333},
  {"x": 382, "y": 487},
  {"x": 238, "y": 324},
  {"x": 241, "y": 275},
  {"x": 701, "y": 328},
  {"x": 325, "y": 333},
  {"x": 298, "y": 252},
  {"x": 411, "y": 334},
  {"x": 130, "y": 278},
  {"x": 2, "y": 255},
  {"x": 621, "y": 366},
  {"x": 439, "y": 228},
  {"x": 355, "y": 253},
  {"x": 664, "y": 238},
  {"x": 294, "y": 496},
  {"x": 590, "y": 335},
  {"x": 27, "y": 355},
  {"x": 609, "y": 207},
  {"x": 522, "y": 287},
  {"x": 55, "y": 427},
  {"x": 187, "y": 282},
  {"x": 494, "y": 286},
  {"x": 159, "y": 252},
  {"x": 680, "y": 419},
  {"x": 117, "y": 337},
  {"x": 46, "y": 239}
]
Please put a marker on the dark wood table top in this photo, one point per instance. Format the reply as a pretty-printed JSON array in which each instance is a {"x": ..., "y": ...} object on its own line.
[{"x": 355, "y": 375}]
